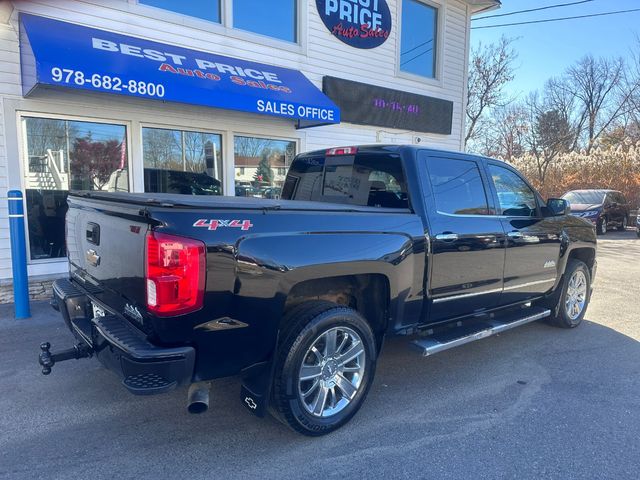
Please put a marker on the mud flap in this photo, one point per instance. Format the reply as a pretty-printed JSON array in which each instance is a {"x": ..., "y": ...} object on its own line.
[{"x": 256, "y": 386}]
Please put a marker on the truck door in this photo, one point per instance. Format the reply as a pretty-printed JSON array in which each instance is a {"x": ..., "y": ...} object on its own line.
[
  {"x": 533, "y": 240},
  {"x": 467, "y": 252}
]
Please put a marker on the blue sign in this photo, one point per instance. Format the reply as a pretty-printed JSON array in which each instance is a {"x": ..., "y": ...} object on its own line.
[
  {"x": 359, "y": 23},
  {"x": 68, "y": 55}
]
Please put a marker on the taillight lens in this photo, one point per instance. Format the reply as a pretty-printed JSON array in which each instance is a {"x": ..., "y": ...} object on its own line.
[
  {"x": 341, "y": 151},
  {"x": 175, "y": 274}
]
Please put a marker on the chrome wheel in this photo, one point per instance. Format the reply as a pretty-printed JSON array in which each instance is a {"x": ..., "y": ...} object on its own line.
[
  {"x": 331, "y": 372},
  {"x": 603, "y": 226},
  {"x": 576, "y": 295}
]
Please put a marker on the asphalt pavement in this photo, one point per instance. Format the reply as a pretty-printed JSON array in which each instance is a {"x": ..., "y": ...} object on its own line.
[{"x": 534, "y": 402}]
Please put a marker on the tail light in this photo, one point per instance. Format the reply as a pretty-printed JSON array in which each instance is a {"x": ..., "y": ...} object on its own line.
[
  {"x": 341, "y": 151},
  {"x": 175, "y": 274}
]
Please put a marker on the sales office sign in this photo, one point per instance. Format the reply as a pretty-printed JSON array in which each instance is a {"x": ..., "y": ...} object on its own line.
[{"x": 359, "y": 23}]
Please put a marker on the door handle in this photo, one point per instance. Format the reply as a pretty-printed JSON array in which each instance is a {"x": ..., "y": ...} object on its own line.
[
  {"x": 447, "y": 237},
  {"x": 515, "y": 235}
]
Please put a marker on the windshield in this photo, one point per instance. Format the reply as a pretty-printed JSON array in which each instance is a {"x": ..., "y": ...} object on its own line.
[{"x": 587, "y": 197}]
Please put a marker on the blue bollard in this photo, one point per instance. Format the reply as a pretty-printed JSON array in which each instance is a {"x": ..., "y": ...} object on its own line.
[{"x": 18, "y": 255}]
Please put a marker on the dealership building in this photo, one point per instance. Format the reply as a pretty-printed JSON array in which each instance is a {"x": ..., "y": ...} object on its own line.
[{"x": 210, "y": 96}]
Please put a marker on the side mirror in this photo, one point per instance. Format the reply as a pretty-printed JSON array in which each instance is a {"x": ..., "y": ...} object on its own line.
[{"x": 558, "y": 206}]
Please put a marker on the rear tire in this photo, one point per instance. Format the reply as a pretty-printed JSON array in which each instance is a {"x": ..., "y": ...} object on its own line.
[
  {"x": 573, "y": 297},
  {"x": 324, "y": 367}
]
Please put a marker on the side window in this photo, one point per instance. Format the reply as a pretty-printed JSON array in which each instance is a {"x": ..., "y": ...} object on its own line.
[
  {"x": 515, "y": 197},
  {"x": 457, "y": 187}
]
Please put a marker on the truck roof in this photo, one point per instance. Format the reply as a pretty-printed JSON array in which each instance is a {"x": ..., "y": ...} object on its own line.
[{"x": 394, "y": 148}]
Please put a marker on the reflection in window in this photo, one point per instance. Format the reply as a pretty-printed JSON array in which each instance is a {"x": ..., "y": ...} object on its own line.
[
  {"x": 457, "y": 187},
  {"x": 204, "y": 9},
  {"x": 515, "y": 197},
  {"x": 65, "y": 155},
  {"x": 418, "y": 38},
  {"x": 374, "y": 180},
  {"x": 275, "y": 18},
  {"x": 261, "y": 165},
  {"x": 184, "y": 162}
]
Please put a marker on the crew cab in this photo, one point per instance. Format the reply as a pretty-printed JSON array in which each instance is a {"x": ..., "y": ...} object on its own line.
[{"x": 296, "y": 295}]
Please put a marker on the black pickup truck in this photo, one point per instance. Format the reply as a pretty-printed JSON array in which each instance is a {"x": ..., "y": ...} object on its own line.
[{"x": 296, "y": 295}]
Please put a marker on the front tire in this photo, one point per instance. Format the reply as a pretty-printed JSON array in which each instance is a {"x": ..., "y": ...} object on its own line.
[
  {"x": 324, "y": 367},
  {"x": 602, "y": 226},
  {"x": 623, "y": 225},
  {"x": 574, "y": 296}
]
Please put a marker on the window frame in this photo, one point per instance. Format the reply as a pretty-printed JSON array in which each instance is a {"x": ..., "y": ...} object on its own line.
[
  {"x": 226, "y": 27},
  {"x": 494, "y": 191},
  {"x": 440, "y": 8},
  {"x": 24, "y": 164}
]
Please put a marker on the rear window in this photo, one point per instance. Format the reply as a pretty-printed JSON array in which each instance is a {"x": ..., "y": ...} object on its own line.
[{"x": 365, "y": 179}]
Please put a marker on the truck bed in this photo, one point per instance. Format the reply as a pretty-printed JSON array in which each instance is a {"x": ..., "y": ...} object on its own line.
[{"x": 212, "y": 202}]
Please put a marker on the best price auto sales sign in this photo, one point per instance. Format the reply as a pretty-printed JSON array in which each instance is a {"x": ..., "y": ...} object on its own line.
[{"x": 359, "y": 23}]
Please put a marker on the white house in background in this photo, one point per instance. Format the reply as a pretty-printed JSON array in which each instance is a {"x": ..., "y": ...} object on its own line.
[{"x": 174, "y": 93}]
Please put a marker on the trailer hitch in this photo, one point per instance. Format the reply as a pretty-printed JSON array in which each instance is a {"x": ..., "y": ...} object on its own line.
[{"x": 48, "y": 359}]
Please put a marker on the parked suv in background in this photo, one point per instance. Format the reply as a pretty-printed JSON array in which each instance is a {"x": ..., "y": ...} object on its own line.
[{"x": 604, "y": 208}]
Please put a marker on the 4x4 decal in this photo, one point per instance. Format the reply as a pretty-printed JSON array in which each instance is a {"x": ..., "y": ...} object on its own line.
[{"x": 213, "y": 224}]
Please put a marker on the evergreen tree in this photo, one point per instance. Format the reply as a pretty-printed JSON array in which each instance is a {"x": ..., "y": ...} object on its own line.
[{"x": 264, "y": 174}]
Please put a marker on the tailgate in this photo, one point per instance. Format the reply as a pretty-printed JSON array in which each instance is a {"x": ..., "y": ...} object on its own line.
[{"x": 106, "y": 243}]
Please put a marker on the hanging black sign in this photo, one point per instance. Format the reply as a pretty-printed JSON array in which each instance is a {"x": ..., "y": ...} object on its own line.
[
  {"x": 359, "y": 23},
  {"x": 384, "y": 107}
]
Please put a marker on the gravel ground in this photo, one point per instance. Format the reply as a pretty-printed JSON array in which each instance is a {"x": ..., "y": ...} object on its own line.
[{"x": 535, "y": 402}]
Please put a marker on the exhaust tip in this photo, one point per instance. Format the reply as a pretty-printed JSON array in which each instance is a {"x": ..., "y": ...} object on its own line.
[
  {"x": 197, "y": 407},
  {"x": 198, "y": 398}
]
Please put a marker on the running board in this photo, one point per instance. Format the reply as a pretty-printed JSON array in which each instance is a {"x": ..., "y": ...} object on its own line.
[{"x": 457, "y": 336}]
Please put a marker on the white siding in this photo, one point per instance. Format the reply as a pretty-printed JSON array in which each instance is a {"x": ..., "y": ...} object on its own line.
[{"x": 319, "y": 54}]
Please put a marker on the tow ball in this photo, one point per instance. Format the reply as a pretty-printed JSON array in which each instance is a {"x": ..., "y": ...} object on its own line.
[{"x": 48, "y": 359}]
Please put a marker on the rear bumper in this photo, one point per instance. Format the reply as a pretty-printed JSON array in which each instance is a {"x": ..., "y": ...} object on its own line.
[{"x": 144, "y": 368}]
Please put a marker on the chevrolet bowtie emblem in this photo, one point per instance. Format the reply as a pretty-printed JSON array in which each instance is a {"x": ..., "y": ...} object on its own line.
[{"x": 92, "y": 257}]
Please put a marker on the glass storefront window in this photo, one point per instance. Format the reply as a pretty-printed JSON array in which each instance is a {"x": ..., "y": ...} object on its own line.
[
  {"x": 276, "y": 18},
  {"x": 418, "y": 38},
  {"x": 273, "y": 18},
  {"x": 63, "y": 155},
  {"x": 261, "y": 165},
  {"x": 184, "y": 162},
  {"x": 204, "y": 9}
]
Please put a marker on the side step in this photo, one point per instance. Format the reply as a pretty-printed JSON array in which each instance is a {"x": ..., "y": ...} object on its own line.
[{"x": 456, "y": 336}]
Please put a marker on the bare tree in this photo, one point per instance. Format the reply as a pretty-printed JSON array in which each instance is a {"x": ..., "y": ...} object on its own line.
[
  {"x": 596, "y": 85},
  {"x": 510, "y": 128},
  {"x": 251, "y": 147},
  {"x": 490, "y": 69},
  {"x": 159, "y": 147}
]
